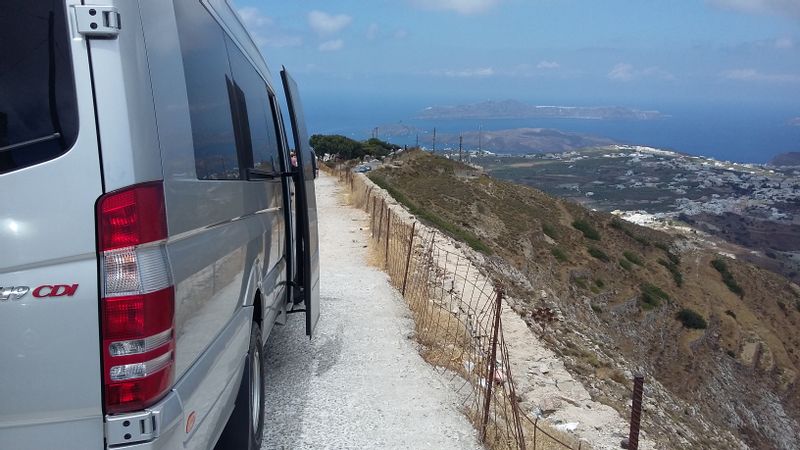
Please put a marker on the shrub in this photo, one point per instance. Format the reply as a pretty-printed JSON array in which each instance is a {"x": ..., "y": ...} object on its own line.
[
  {"x": 597, "y": 309},
  {"x": 675, "y": 259},
  {"x": 620, "y": 225},
  {"x": 581, "y": 283},
  {"x": 600, "y": 283},
  {"x": 677, "y": 276},
  {"x": 691, "y": 319},
  {"x": 626, "y": 264},
  {"x": 550, "y": 231},
  {"x": 589, "y": 232},
  {"x": 730, "y": 313},
  {"x": 432, "y": 218},
  {"x": 633, "y": 257},
  {"x": 652, "y": 296},
  {"x": 727, "y": 277},
  {"x": 559, "y": 254},
  {"x": 599, "y": 254}
]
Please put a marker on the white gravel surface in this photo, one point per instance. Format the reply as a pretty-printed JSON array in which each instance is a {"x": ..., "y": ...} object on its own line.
[{"x": 360, "y": 383}]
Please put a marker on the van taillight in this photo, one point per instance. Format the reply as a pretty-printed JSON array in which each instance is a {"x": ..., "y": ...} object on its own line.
[{"x": 138, "y": 299}]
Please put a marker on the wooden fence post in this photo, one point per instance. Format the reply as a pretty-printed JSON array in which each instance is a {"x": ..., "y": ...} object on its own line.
[
  {"x": 408, "y": 256},
  {"x": 388, "y": 227}
]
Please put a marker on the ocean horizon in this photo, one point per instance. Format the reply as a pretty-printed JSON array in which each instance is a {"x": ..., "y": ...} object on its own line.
[{"x": 747, "y": 134}]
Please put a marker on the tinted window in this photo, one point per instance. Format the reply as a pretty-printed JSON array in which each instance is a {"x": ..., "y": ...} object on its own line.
[
  {"x": 208, "y": 83},
  {"x": 258, "y": 138},
  {"x": 38, "y": 111}
]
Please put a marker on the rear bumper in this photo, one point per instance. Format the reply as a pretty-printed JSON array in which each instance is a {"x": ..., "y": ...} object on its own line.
[{"x": 155, "y": 428}]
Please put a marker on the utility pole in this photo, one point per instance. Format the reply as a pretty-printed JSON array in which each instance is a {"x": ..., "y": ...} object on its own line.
[
  {"x": 460, "y": 145},
  {"x": 417, "y": 146},
  {"x": 434, "y": 140}
]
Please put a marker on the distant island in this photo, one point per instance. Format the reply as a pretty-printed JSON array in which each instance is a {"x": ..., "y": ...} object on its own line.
[
  {"x": 512, "y": 109},
  {"x": 517, "y": 141},
  {"x": 786, "y": 159}
]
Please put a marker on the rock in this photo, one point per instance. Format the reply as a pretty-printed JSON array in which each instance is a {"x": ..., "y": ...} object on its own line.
[
  {"x": 569, "y": 426},
  {"x": 795, "y": 288},
  {"x": 544, "y": 368},
  {"x": 550, "y": 405}
]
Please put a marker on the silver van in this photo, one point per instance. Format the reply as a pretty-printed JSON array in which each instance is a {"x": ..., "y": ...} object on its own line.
[{"x": 152, "y": 228}]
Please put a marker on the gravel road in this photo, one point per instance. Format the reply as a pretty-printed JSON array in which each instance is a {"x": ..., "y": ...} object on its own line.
[{"x": 360, "y": 383}]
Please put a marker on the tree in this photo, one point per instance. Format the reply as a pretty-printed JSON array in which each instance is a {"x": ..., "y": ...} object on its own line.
[
  {"x": 338, "y": 145},
  {"x": 377, "y": 147},
  {"x": 346, "y": 148}
]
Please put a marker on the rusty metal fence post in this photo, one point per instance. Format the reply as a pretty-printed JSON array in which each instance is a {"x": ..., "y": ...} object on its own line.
[
  {"x": 408, "y": 256},
  {"x": 636, "y": 412},
  {"x": 492, "y": 362}
]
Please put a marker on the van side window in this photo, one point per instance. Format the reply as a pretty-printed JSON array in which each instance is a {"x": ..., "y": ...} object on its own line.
[
  {"x": 277, "y": 124},
  {"x": 208, "y": 87},
  {"x": 258, "y": 141},
  {"x": 38, "y": 107}
]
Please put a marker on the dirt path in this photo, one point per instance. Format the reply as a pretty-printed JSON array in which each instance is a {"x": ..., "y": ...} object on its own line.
[{"x": 360, "y": 383}]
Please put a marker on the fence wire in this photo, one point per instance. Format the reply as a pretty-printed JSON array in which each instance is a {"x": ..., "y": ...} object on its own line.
[{"x": 458, "y": 321}]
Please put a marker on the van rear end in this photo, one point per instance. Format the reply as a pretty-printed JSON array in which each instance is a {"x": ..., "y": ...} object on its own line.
[{"x": 50, "y": 177}]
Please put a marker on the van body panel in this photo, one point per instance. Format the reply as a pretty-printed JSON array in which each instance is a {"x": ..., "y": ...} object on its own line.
[
  {"x": 209, "y": 387},
  {"x": 227, "y": 237},
  {"x": 78, "y": 434},
  {"x": 124, "y": 101},
  {"x": 227, "y": 245},
  {"x": 50, "y": 378}
]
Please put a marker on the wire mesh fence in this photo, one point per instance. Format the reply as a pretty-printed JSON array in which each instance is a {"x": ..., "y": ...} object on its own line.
[{"x": 457, "y": 312}]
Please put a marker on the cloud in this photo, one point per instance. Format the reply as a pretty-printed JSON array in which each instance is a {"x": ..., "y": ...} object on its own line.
[
  {"x": 458, "y": 6},
  {"x": 400, "y": 34},
  {"x": 479, "y": 72},
  {"x": 372, "y": 31},
  {"x": 627, "y": 72},
  {"x": 790, "y": 8},
  {"x": 253, "y": 18},
  {"x": 758, "y": 76},
  {"x": 548, "y": 65},
  {"x": 324, "y": 23},
  {"x": 784, "y": 43},
  {"x": 331, "y": 46},
  {"x": 265, "y": 32}
]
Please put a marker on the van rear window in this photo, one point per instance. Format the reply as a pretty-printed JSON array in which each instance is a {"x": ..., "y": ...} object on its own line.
[{"x": 38, "y": 111}]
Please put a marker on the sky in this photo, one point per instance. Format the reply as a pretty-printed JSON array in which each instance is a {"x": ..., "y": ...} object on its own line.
[{"x": 638, "y": 53}]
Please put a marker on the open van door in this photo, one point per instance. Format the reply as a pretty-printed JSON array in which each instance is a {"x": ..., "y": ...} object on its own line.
[{"x": 306, "y": 201}]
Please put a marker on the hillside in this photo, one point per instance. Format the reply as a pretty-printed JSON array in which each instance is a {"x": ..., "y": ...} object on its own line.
[
  {"x": 718, "y": 339},
  {"x": 786, "y": 159}
]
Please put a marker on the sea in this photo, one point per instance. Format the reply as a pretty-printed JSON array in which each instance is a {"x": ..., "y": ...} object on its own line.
[{"x": 740, "y": 133}]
